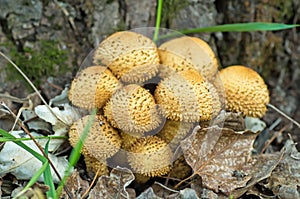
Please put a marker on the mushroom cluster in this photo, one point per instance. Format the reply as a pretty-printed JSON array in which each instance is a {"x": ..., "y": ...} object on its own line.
[{"x": 148, "y": 123}]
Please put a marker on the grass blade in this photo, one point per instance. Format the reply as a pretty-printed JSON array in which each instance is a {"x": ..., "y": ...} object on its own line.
[
  {"x": 10, "y": 139},
  {"x": 158, "y": 19},
  {"x": 24, "y": 146},
  {"x": 48, "y": 177},
  {"x": 242, "y": 27},
  {"x": 236, "y": 27},
  {"x": 34, "y": 179}
]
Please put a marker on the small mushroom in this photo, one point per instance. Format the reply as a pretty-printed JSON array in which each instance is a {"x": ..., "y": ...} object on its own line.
[
  {"x": 185, "y": 96},
  {"x": 94, "y": 165},
  {"x": 128, "y": 140},
  {"x": 92, "y": 87},
  {"x": 174, "y": 132},
  {"x": 132, "y": 109},
  {"x": 102, "y": 141},
  {"x": 130, "y": 56},
  {"x": 150, "y": 156},
  {"x": 185, "y": 53},
  {"x": 246, "y": 91}
]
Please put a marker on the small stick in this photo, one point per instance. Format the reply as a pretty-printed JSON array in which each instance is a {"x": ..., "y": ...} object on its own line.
[
  {"x": 274, "y": 137},
  {"x": 284, "y": 115},
  {"x": 91, "y": 185},
  {"x": 165, "y": 187}
]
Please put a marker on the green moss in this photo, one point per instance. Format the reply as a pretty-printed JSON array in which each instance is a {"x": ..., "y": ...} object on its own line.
[{"x": 48, "y": 60}]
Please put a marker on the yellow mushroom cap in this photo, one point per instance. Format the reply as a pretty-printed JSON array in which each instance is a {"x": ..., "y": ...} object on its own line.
[
  {"x": 92, "y": 87},
  {"x": 185, "y": 96},
  {"x": 93, "y": 165},
  {"x": 150, "y": 156},
  {"x": 102, "y": 140},
  {"x": 130, "y": 56},
  {"x": 174, "y": 132},
  {"x": 128, "y": 140},
  {"x": 185, "y": 52},
  {"x": 132, "y": 109},
  {"x": 246, "y": 91}
]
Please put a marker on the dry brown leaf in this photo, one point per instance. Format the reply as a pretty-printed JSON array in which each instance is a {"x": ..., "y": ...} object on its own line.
[
  {"x": 262, "y": 169},
  {"x": 220, "y": 156},
  {"x": 75, "y": 185},
  {"x": 148, "y": 193},
  {"x": 285, "y": 179},
  {"x": 113, "y": 186},
  {"x": 234, "y": 121}
]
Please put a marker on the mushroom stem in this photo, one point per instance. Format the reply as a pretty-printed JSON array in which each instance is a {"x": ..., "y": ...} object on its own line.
[{"x": 283, "y": 114}]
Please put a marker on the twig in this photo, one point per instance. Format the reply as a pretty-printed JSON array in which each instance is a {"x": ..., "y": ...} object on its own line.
[
  {"x": 273, "y": 138},
  {"x": 165, "y": 187},
  {"x": 91, "y": 185},
  {"x": 284, "y": 115},
  {"x": 184, "y": 180}
]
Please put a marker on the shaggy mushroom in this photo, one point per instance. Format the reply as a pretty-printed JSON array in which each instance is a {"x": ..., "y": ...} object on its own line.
[
  {"x": 102, "y": 140},
  {"x": 92, "y": 87},
  {"x": 184, "y": 53},
  {"x": 185, "y": 96},
  {"x": 150, "y": 156},
  {"x": 246, "y": 91},
  {"x": 130, "y": 56},
  {"x": 132, "y": 109}
]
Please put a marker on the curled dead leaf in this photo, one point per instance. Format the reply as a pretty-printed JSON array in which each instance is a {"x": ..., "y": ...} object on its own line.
[
  {"x": 220, "y": 156},
  {"x": 113, "y": 186}
]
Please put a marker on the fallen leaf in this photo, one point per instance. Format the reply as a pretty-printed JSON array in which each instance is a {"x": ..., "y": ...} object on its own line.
[
  {"x": 285, "y": 179},
  {"x": 254, "y": 124},
  {"x": 234, "y": 121},
  {"x": 261, "y": 170},
  {"x": 113, "y": 186},
  {"x": 75, "y": 185},
  {"x": 220, "y": 156},
  {"x": 60, "y": 126},
  {"x": 34, "y": 123},
  {"x": 148, "y": 193},
  {"x": 22, "y": 164}
]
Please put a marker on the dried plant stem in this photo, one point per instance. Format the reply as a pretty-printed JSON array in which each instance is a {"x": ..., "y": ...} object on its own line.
[
  {"x": 86, "y": 193},
  {"x": 184, "y": 180},
  {"x": 165, "y": 187},
  {"x": 273, "y": 138},
  {"x": 284, "y": 115}
]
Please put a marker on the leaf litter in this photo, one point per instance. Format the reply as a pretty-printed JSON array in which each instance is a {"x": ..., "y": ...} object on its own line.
[{"x": 221, "y": 155}]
